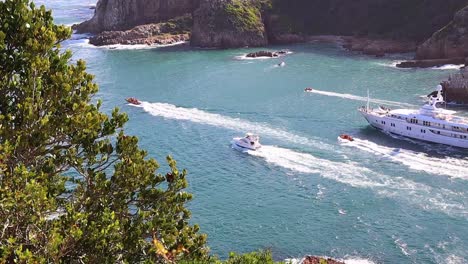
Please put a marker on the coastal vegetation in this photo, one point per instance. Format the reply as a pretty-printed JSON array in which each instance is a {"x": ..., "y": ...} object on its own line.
[{"x": 74, "y": 187}]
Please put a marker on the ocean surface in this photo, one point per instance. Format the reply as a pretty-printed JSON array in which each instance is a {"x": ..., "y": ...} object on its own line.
[{"x": 380, "y": 199}]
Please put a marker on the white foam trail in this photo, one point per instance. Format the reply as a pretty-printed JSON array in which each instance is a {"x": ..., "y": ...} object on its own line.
[
  {"x": 448, "y": 166},
  {"x": 346, "y": 261},
  {"x": 360, "y": 98},
  {"x": 198, "y": 116},
  {"x": 449, "y": 67},
  {"x": 344, "y": 172},
  {"x": 354, "y": 175}
]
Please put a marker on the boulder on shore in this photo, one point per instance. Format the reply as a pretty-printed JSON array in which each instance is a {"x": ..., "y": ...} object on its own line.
[
  {"x": 430, "y": 63},
  {"x": 175, "y": 30},
  {"x": 378, "y": 47}
]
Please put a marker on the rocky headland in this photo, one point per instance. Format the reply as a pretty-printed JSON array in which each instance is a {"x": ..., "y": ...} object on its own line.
[
  {"x": 228, "y": 24},
  {"x": 117, "y": 15},
  {"x": 174, "y": 31},
  {"x": 449, "y": 42},
  {"x": 434, "y": 29}
]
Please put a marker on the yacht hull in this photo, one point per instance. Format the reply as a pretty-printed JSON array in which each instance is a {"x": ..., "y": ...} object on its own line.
[{"x": 416, "y": 131}]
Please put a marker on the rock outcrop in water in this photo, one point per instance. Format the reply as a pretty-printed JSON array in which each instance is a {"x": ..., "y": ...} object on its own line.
[
  {"x": 375, "y": 27},
  {"x": 112, "y": 15},
  {"x": 449, "y": 42},
  {"x": 175, "y": 30},
  {"x": 266, "y": 54},
  {"x": 319, "y": 260},
  {"x": 228, "y": 24}
]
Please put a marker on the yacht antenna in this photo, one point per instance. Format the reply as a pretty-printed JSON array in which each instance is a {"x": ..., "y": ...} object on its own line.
[{"x": 368, "y": 99}]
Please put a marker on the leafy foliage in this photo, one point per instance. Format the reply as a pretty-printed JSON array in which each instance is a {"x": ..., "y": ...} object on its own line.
[
  {"x": 260, "y": 257},
  {"x": 244, "y": 15},
  {"x": 73, "y": 186}
]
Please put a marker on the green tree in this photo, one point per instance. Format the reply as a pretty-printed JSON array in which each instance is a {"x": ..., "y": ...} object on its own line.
[{"x": 73, "y": 186}]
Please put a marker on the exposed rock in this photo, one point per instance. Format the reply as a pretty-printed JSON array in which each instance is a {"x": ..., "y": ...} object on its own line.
[
  {"x": 378, "y": 47},
  {"x": 430, "y": 63},
  {"x": 268, "y": 54},
  {"x": 455, "y": 89},
  {"x": 449, "y": 42},
  {"x": 319, "y": 260},
  {"x": 113, "y": 15},
  {"x": 228, "y": 24},
  {"x": 175, "y": 30}
]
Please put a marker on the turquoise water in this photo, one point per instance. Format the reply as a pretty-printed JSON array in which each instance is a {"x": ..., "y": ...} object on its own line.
[{"x": 380, "y": 199}]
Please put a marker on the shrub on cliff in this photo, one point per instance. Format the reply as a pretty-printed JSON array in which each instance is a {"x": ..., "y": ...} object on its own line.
[
  {"x": 244, "y": 15},
  {"x": 228, "y": 23},
  {"x": 73, "y": 186}
]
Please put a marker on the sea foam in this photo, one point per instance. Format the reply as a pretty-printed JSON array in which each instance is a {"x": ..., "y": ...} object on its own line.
[
  {"x": 344, "y": 171},
  {"x": 448, "y": 166},
  {"x": 360, "y": 98}
]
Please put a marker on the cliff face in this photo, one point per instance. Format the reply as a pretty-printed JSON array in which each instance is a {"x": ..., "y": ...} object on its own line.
[
  {"x": 112, "y": 15},
  {"x": 238, "y": 23},
  {"x": 449, "y": 42},
  {"x": 228, "y": 24},
  {"x": 397, "y": 19}
]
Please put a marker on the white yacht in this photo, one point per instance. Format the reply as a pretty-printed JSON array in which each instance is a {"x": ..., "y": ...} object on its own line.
[
  {"x": 250, "y": 142},
  {"x": 430, "y": 123}
]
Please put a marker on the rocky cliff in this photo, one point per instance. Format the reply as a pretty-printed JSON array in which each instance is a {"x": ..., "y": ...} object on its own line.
[
  {"x": 449, "y": 42},
  {"x": 395, "y": 19},
  {"x": 238, "y": 23},
  {"x": 112, "y": 15},
  {"x": 228, "y": 24}
]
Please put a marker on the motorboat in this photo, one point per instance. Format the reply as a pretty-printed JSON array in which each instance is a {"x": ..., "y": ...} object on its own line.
[
  {"x": 133, "y": 100},
  {"x": 249, "y": 142},
  {"x": 308, "y": 89},
  {"x": 282, "y": 64},
  {"x": 345, "y": 138},
  {"x": 430, "y": 123}
]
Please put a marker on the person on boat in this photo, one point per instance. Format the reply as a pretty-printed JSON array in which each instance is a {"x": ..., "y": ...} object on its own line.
[
  {"x": 133, "y": 100},
  {"x": 308, "y": 89},
  {"x": 346, "y": 137}
]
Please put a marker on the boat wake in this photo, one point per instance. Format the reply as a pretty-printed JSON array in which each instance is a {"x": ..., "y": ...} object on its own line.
[
  {"x": 448, "y": 166},
  {"x": 345, "y": 172},
  {"x": 353, "y": 174},
  {"x": 360, "y": 98},
  {"x": 170, "y": 111}
]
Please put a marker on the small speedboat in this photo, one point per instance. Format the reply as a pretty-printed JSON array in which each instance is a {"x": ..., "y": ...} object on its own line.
[
  {"x": 308, "y": 89},
  {"x": 249, "y": 142},
  {"x": 133, "y": 100},
  {"x": 282, "y": 64},
  {"x": 344, "y": 138}
]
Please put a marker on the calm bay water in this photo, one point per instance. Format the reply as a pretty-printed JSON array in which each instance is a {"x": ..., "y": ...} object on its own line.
[{"x": 380, "y": 199}]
